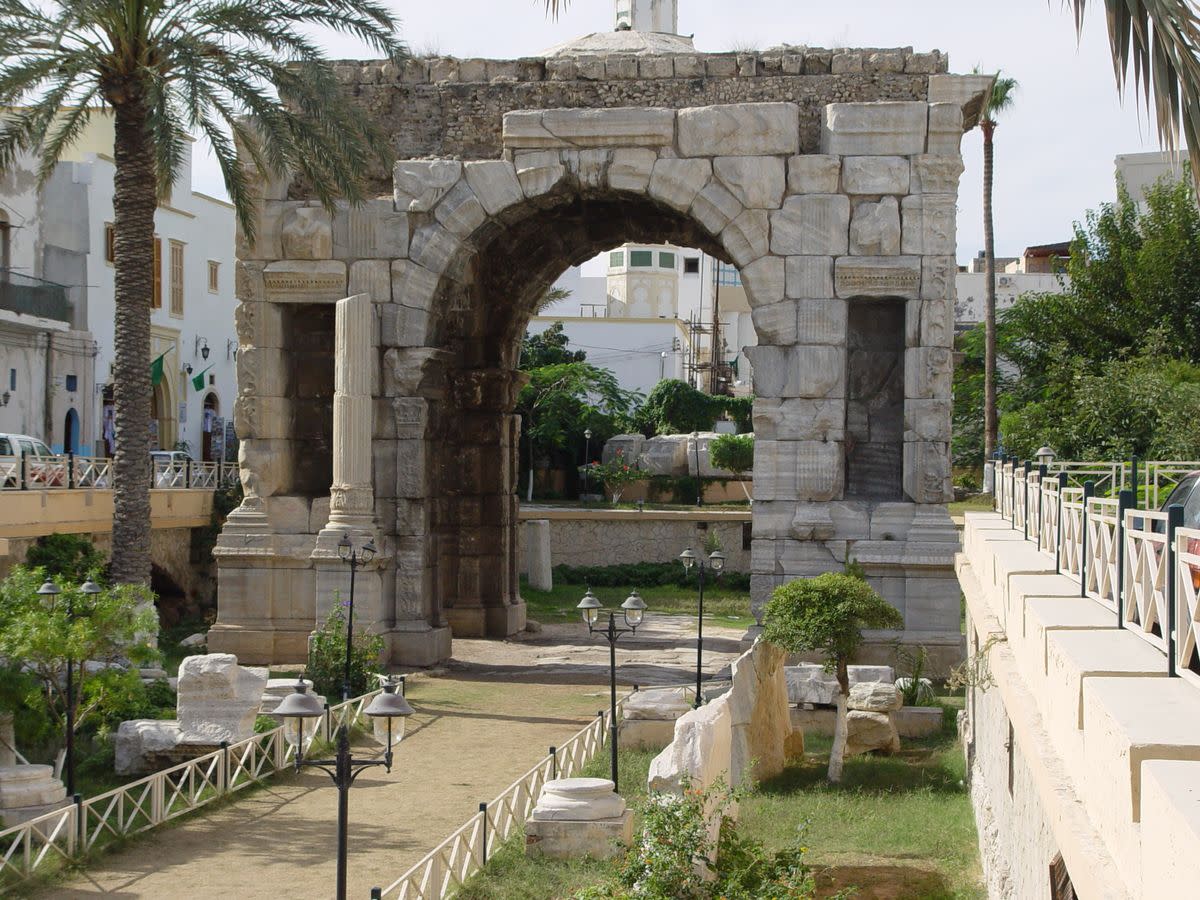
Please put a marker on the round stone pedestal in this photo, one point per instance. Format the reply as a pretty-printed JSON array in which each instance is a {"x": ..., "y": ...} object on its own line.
[
  {"x": 577, "y": 817},
  {"x": 28, "y": 791}
]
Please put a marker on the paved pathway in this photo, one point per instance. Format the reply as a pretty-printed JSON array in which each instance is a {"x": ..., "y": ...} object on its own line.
[{"x": 490, "y": 716}]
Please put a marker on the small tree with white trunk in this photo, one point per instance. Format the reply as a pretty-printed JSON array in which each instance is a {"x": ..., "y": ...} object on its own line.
[
  {"x": 734, "y": 453},
  {"x": 826, "y": 615}
]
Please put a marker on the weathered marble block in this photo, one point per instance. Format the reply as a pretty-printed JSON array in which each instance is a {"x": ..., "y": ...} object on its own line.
[{"x": 218, "y": 700}]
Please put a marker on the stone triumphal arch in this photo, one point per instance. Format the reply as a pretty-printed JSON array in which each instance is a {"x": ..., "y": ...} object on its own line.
[{"x": 378, "y": 345}]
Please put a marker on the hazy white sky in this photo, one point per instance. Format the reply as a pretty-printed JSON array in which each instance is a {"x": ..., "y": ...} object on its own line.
[{"x": 1054, "y": 149}]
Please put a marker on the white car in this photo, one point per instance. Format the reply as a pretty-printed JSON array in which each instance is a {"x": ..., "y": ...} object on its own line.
[
  {"x": 43, "y": 468},
  {"x": 170, "y": 468}
]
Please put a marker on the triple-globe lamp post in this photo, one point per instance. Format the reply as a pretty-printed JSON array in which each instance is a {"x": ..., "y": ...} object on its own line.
[
  {"x": 716, "y": 562},
  {"x": 388, "y": 710},
  {"x": 354, "y": 557},
  {"x": 49, "y": 592},
  {"x": 634, "y": 610}
]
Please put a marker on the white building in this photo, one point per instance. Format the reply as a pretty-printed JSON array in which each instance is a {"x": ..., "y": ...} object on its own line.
[
  {"x": 64, "y": 234},
  {"x": 1140, "y": 171},
  {"x": 651, "y": 317}
]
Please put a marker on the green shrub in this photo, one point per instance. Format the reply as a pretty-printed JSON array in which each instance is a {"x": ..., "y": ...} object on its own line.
[
  {"x": 647, "y": 574},
  {"x": 733, "y": 452},
  {"x": 667, "y": 858},
  {"x": 327, "y": 654},
  {"x": 70, "y": 558}
]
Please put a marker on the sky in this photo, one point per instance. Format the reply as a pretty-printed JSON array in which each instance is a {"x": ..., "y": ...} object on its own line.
[{"x": 1054, "y": 148}]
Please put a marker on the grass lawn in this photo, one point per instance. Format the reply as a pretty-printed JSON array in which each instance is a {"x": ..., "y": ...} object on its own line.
[
  {"x": 722, "y": 606},
  {"x": 978, "y": 502},
  {"x": 896, "y": 828}
]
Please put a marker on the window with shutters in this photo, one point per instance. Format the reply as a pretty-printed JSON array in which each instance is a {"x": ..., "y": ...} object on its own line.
[
  {"x": 214, "y": 276},
  {"x": 156, "y": 297},
  {"x": 110, "y": 243},
  {"x": 176, "y": 278}
]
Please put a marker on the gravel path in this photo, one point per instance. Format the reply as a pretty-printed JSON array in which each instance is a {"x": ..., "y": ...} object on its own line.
[{"x": 487, "y": 718}]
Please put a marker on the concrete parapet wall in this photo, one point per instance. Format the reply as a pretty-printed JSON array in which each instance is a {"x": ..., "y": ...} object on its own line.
[{"x": 1077, "y": 741}]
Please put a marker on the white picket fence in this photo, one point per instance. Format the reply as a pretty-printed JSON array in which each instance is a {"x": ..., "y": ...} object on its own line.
[
  {"x": 80, "y": 828},
  {"x": 72, "y": 472},
  {"x": 447, "y": 866},
  {"x": 1135, "y": 562}
]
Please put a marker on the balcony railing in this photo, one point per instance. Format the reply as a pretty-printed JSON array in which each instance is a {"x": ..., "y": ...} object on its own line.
[
  {"x": 68, "y": 471},
  {"x": 33, "y": 296}
]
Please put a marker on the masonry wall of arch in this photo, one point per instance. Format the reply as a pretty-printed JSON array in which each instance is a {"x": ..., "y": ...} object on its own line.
[{"x": 848, "y": 258}]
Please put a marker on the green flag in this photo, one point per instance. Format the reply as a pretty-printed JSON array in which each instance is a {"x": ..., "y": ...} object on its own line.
[
  {"x": 156, "y": 369},
  {"x": 198, "y": 381}
]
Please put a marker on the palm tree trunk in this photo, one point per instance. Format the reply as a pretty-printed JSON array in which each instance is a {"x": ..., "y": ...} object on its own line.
[
  {"x": 134, "y": 202},
  {"x": 990, "y": 427}
]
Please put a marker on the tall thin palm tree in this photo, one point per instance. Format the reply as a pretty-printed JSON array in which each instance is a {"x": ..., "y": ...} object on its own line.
[
  {"x": 1000, "y": 99},
  {"x": 243, "y": 73}
]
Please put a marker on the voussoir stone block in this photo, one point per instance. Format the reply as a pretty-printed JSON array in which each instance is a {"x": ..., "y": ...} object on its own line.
[
  {"x": 676, "y": 182},
  {"x": 811, "y": 225},
  {"x": 538, "y": 171},
  {"x": 744, "y": 129},
  {"x": 875, "y": 228},
  {"x": 890, "y": 128},
  {"x": 814, "y": 174},
  {"x": 460, "y": 211},
  {"x": 413, "y": 285},
  {"x": 756, "y": 181},
  {"x": 420, "y": 183},
  {"x": 746, "y": 236},
  {"x": 876, "y": 175},
  {"x": 630, "y": 170},
  {"x": 495, "y": 184},
  {"x": 763, "y": 280},
  {"x": 715, "y": 207}
]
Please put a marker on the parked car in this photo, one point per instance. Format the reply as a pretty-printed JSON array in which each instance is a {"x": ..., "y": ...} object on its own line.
[
  {"x": 1186, "y": 493},
  {"x": 42, "y": 467},
  {"x": 169, "y": 467}
]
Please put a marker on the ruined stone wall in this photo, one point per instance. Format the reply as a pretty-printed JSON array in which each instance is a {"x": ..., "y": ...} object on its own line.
[{"x": 454, "y": 108}]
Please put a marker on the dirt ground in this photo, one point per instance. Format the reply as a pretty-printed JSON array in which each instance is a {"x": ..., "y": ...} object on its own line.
[{"x": 488, "y": 717}]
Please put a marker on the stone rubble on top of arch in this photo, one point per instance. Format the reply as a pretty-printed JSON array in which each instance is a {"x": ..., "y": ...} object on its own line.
[{"x": 831, "y": 183}]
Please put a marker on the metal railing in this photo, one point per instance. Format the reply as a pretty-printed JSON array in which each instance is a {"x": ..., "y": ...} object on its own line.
[
  {"x": 33, "y": 296},
  {"x": 1141, "y": 564},
  {"x": 89, "y": 825},
  {"x": 447, "y": 866},
  {"x": 69, "y": 471}
]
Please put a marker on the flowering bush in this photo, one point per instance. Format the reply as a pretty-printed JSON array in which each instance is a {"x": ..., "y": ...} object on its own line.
[
  {"x": 614, "y": 475},
  {"x": 669, "y": 859}
]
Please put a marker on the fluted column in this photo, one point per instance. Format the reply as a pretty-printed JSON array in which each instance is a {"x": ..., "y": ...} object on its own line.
[{"x": 352, "y": 499}]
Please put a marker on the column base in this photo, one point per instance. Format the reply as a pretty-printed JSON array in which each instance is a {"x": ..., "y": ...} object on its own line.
[
  {"x": 427, "y": 647},
  {"x": 487, "y": 621}
]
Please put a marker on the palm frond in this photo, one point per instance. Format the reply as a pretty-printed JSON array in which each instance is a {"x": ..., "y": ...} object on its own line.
[{"x": 1157, "y": 42}]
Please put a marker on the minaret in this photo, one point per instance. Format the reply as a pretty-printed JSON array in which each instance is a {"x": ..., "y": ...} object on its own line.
[{"x": 661, "y": 16}]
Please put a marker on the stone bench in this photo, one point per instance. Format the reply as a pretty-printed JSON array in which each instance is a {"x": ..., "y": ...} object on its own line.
[{"x": 1129, "y": 722}]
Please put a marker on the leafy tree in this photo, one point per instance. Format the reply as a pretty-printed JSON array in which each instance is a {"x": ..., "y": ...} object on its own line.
[
  {"x": 734, "y": 453},
  {"x": 111, "y": 627},
  {"x": 164, "y": 69},
  {"x": 675, "y": 407},
  {"x": 562, "y": 400},
  {"x": 826, "y": 615},
  {"x": 547, "y": 349},
  {"x": 999, "y": 100},
  {"x": 69, "y": 557}
]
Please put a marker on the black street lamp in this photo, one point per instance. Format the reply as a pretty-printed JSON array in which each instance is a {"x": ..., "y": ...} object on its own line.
[
  {"x": 634, "y": 609},
  {"x": 355, "y": 557},
  {"x": 587, "y": 460},
  {"x": 716, "y": 562},
  {"x": 388, "y": 709},
  {"x": 49, "y": 592}
]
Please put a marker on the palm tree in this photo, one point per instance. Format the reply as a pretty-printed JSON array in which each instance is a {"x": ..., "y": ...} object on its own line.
[
  {"x": 243, "y": 73},
  {"x": 1000, "y": 99}
]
